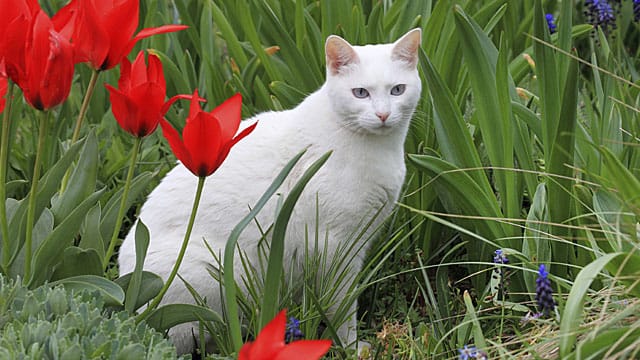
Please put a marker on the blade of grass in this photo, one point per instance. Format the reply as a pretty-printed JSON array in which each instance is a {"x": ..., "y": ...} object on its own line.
[{"x": 275, "y": 264}]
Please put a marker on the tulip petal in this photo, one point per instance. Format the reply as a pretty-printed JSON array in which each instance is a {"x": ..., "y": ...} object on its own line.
[
  {"x": 120, "y": 23},
  {"x": 176, "y": 143},
  {"x": 149, "y": 99},
  {"x": 124, "y": 82},
  {"x": 138, "y": 70},
  {"x": 270, "y": 340},
  {"x": 173, "y": 99},
  {"x": 124, "y": 110},
  {"x": 65, "y": 19},
  {"x": 144, "y": 33},
  {"x": 202, "y": 139},
  {"x": 3, "y": 92},
  {"x": 248, "y": 130},
  {"x": 194, "y": 107},
  {"x": 245, "y": 351},
  {"x": 229, "y": 114},
  {"x": 155, "y": 74},
  {"x": 91, "y": 38},
  {"x": 304, "y": 349},
  {"x": 229, "y": 144}
]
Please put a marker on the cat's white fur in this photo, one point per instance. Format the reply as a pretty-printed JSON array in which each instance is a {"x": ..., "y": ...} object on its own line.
[{"x": 364, "y": 173}]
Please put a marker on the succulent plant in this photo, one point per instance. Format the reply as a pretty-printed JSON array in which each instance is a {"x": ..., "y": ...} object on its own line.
[{"x": 52, "y": 323}]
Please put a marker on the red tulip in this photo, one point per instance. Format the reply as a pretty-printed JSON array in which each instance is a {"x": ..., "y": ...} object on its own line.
[
  {"x": 139, "y": 104},
  {"x": 207, "y": 136},
  {"x": 46, "y": 77},
  {"x": 102, "y": 31},
  {"x": 15, "y": 19},
  {"x": 270, "y": 345},
  {"x": 3, "y": 92}
]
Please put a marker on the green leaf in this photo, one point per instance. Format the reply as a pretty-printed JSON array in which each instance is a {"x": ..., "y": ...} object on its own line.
[
  {"x": 110, "y": 213},
  {"x": 572, "y": 316},
  {"x": 47, "y": 186},
  {"x": 142, "y": 244},
  {"x": 536, "y": 243},
  {"x": 77, "y": 261},
  {"x": 610, "y": 341},
  {"x": 111, "y": 292},
  {"x": 149, "y": 288},
  {"x": 168, "y": 316},
  {"x": 626, "y": 269},
  {"x": 91, "y": 238},
  {"x": 616, "y": 176},
  {"x": 82, "y": 182},
  {"x": 51, "y": 251},
  {"x": 463, "y": 193},
  {"x": 230, "y": 290},
  {"x": 478, "y": 336},
  {"x": 275, "y": 264}
]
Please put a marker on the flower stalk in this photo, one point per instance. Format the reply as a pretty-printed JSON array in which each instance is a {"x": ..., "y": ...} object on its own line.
[
  {"x": 123, "y": 203},
  {"x": 4, "y": 155},
  {"x": 85, "y": 105},
  {"x": 183, "y": 249},
  {"x": 31, "y": 208}
]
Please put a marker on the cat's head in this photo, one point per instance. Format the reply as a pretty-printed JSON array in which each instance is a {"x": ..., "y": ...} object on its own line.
[{"x": 374, "y": 88}]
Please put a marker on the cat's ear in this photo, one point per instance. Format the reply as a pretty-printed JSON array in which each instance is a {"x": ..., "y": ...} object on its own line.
[
  {"x": 339, "y": 54},
  {"x": 406, "y": 48}
]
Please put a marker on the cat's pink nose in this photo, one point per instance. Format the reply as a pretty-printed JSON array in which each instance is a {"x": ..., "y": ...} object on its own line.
[{"x": 382, "y": 116}]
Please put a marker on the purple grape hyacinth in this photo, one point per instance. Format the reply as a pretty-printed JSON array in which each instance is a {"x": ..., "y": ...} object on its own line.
[
  {"x": 293, "y": 332},
  {"x": 551, "y": 23},
  {"x": 544, "y": 292},
  {"x": 600, "y": 13}
]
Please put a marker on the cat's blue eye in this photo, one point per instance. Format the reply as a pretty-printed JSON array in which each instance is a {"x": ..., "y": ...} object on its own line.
[
  {"x": 398, "y": 89},
  {"x": 360, "y": 93}
]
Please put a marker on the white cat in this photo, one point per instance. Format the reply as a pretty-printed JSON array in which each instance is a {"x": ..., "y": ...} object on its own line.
[{"x": 361, "y": 113}]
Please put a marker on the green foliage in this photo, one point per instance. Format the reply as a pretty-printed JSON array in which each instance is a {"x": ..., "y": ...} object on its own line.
[{"x": 52, "y": 323}]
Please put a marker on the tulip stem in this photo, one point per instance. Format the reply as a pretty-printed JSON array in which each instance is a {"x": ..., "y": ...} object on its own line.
[
  {"x": 183, "y": 249},
  {"x": 85, "y": 105},
  {"x": 123, "y": 203},
  {"x": 83, "y": 111},
  {"x": 31, "y": 209},
  {"x": 4, "y": 155}
]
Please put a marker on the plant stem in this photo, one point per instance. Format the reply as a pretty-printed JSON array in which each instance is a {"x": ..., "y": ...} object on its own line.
[
  {"x": 4, "y": 155},
  {"x": 83, "y": 111},
  {"x": 85, "y": 105},
  {"x": 123, "y": 204},
  {"x": 31, "y": 210},
  {"x": 183, "y": 249}
]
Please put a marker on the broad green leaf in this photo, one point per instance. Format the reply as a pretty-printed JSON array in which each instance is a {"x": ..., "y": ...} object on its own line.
[
  {"x": 168, "y": 316},
  {"x": 616, "y": 176},
  {"x": 47, "y": 186},
  {"x": 150, "y": 287},
  {"x": 572, "y": 316},
  {"x": 138, "y": 186},
  {"x": 82, "y": 182},
  {"x": 464, "y": 192},
  {"x": 536, "y": 243},
  {"x": 76, "y": 262},
  {"x": 478, "y": 336},
  {"x": 142, "y": 244},
  {"x": 51, "y": 251},
  {"x": 110, "y": 291},
  {"x": 626, "y": 269},
  {"x": 90, "y": 236},
  {"x": 607, "y": 342}
]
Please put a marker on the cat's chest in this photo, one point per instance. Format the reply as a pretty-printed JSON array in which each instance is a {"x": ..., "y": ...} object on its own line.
[{"x": 351, "y": 182}]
